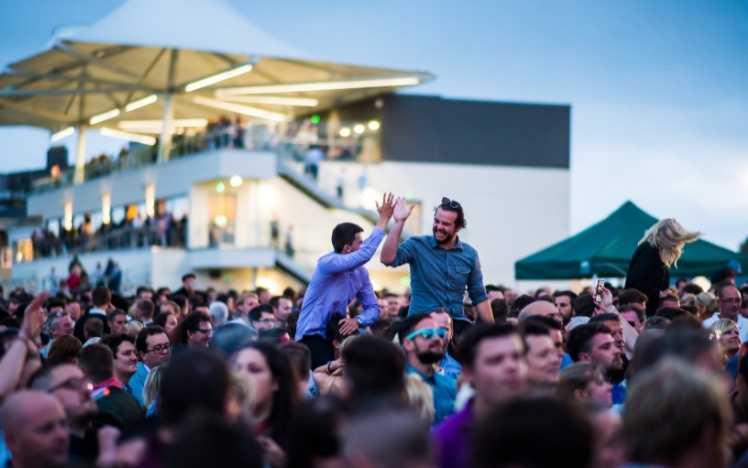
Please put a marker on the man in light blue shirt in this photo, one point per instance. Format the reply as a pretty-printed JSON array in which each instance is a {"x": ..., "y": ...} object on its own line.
[
  {"x": 442, "y": 267},
  {"x": 154, "y": 349},
  {"x": 340, "y": 277}
]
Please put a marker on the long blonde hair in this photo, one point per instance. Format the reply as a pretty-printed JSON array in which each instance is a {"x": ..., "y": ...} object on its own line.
[{"x": 669, "y": 237}]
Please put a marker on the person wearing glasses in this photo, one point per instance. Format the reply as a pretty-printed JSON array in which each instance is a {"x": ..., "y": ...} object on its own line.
[
  {"x": 195, "y": 331},
  {"x": 441, "y": 266},
  {"x": 729, "y": 301},
  {"x": 423, "y": 341},
  {"x": 153, "y": 348},
  {"x": 68, "y": 384}
]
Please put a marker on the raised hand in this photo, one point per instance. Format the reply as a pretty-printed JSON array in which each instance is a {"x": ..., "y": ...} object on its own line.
[
  {"x": 33, "y": 318},
  {"x": 385, "y": 209},
  {"x": 402, "y": 211}
]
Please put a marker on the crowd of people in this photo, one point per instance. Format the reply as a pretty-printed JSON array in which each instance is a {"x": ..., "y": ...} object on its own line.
[
  {"x": 139, "y": 231},
  {"x": 453, "y": 373}
]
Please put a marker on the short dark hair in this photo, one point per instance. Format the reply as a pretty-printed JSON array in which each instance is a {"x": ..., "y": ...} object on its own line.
[
  {"x": 97, "y": 362},
  {"x": 114, "y": 341},
  {"x": 580, "y": 338},
  {"x": 631, "y": 295},
  {"x": 256, "y": 313},
  {"x": 409, "y": 324},
  {"x": 605, "y": 317},
  {"x": 693, "y": 288},
  {"x": 375, "y": 367},
  {"x": 473, "y": 336},
  {"x": 190, "y": 323},
  {"x": 584, "y": 305},
  {"x": 509, "y": 435},
  {"x": 454, "y": 206},
  {"x": 499, "y": 310},
  {"x": 549, "y": 322},
  {"x": 101, "y": 296},
  {"x": 141, "y": 341},
  {"x": 571, "y": 295},
  {"x": 672, "y": 313},
  {"x": 187, "y": 276},
  {"x": 208, "y": 377},
  {"x": 344, "y": 234},
  {"x": 520, "y": 303},
  {"x": 113, "y": 314},
  {"x": 532, "y": 328},
  {"x": 145, "y": 307}
]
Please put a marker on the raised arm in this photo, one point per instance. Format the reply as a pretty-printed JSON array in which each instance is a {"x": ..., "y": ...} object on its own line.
[
  {"x": 349, "y": 261},
  {"x": 389, "y": 249}
]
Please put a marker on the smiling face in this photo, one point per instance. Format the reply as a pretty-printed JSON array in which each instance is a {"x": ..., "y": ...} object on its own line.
[
  {"x": 125, "y": 361},
  {"x": 445, "y": 227},
  {"x": 543, "y": 361}
]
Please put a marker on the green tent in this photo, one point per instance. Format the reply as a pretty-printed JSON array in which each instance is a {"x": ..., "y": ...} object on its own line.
[{"x": 604, "y": 249}]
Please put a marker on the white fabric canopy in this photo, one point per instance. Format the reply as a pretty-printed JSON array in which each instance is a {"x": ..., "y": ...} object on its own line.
[{"x": 210, "y": 25}]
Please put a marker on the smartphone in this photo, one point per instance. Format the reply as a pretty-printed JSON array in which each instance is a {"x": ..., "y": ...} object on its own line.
[{"x": 598, "y": 291}]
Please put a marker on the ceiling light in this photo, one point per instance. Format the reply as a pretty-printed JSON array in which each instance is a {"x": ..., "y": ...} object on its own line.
[
  {"x": 64, "y": 133},
  {"x": 274, "y": 100},
  {"x": 104, "y": 116},
  {"x": 319, "y": 86},
  {"x": 220, "y": 187},
  {"x": 359, "y": 129},
  {"x": 345, "y": 132},
  {"x": 155, "y": 126},
  {"x": 144, "y": 139},
  {"x": 218, "y": 77},
  {"x": 235, "y": 181},
  {"x": 239, "y": 109},
  {"x": 373, "y": 125},
  {"x": 146, "y": 101}
]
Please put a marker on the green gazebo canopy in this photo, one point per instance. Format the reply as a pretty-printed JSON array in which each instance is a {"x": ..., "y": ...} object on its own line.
[{"x": 605, "y": 248}]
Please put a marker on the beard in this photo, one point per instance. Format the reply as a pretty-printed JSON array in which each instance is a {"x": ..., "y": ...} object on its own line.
[
  {"x": 430, "y": 357},
  {"x": 446, "y": 240}
]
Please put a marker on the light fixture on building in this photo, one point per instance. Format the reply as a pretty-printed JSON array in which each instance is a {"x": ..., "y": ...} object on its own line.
[
  {"x": 218, "y": 77},
  {"x": 220, "y": 187},
  {"x": 345, "y": 132},
  {"x": 143, "y": 139},
  {"x": 359, "y": 129},
  {"x": 104, "y": 116},
  {"x": 155, "y": 126},
  {"x": 106, "y": 208},
  {"x": 220, "y": 220},
  {"x": 239, "y": 109},
  {"x": 64, "y": 133},
  {"x": 319, "y": 86},
  {"x": 235, "y": 181},
  {"x": 373, "y": 125},
  {"x": 274, "y": 100},
  {"x": 146, "y": 101}
]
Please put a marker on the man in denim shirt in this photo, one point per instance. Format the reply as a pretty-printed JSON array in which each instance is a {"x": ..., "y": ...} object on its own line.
[
  {"x": 441, "y": 266},
  {"x": 340, "y": 277}
]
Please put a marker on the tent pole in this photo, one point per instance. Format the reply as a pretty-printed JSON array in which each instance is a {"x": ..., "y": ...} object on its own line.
[{"x": 80, "y": 156}]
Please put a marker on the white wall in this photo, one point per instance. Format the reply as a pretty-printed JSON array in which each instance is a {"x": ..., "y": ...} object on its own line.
[{"x": 511, "y": 211}]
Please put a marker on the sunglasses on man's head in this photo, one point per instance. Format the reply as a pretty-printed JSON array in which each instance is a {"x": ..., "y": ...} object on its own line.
[
  {"x": 427, "y": 333},
  {"x": 452, "y": 204}
]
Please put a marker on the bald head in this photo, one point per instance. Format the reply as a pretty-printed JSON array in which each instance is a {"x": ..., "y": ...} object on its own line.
[
  {"x": 35, "y": 429},
  {"x": 541, "y": 308}
]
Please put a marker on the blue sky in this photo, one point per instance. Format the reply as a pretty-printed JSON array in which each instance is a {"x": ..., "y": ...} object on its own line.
[{"x": 658, "y": 89}]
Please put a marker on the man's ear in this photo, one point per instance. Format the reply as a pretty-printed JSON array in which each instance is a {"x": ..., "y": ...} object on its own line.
[{"x": 346, "y": 249}]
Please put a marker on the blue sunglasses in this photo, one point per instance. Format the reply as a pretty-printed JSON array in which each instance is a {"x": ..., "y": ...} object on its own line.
[{"x": 427, "y": 333}]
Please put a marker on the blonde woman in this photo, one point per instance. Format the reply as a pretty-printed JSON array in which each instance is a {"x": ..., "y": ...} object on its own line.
[
  {"x": 420, "y": 398},
  {"x": 659, "y": 250},
  {"x": 151, "y": 388},
  {"x": 726, "y": 332}
]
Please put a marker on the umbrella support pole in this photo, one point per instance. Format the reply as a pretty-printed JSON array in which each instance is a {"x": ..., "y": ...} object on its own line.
[
  {"x": 164, "y": 142},
  {"x": 80, "y": 156}
]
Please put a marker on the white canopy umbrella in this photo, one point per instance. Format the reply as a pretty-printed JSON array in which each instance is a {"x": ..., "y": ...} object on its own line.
[{"x": 163, "y": 62}]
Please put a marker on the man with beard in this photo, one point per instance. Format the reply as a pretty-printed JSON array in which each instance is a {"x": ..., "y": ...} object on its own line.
[
  {"x": 594, "y": 343},
  {"x": 72, "y": 389},
  {"x": 441, "y": 266},
  {"x": 424, "y": 343}
]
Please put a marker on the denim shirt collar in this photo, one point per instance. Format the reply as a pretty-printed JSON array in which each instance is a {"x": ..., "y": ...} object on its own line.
[{"x": 435, "y": 245}]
